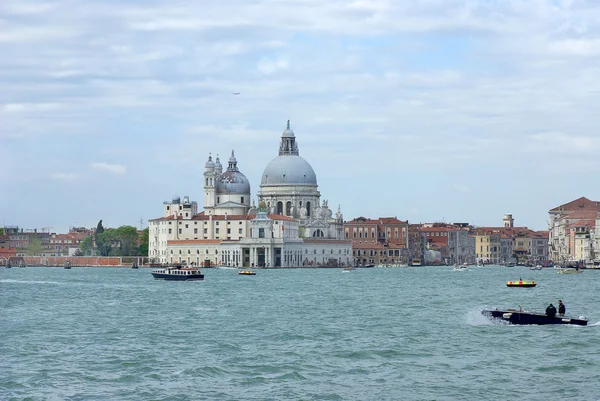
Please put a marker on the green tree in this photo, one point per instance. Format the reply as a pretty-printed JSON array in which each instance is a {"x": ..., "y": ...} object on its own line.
[
  {"x": 35, "y": 246},
  {"x": 99, "y": 227},
  {"x": 104, "y": 242},
  {"x": 1, "y": 231},
  {"x": 144, "y": 238},
  {"x": 86, "y": 246},
  {"x": 127, "y": 236}
]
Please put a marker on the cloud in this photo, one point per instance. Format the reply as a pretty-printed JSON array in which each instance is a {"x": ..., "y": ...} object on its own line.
[
  {"x": 116, "y": 169},
  {"x": 559, "y": 142},
  {"x": 65, "y": 177},
  {"x": 451, "y": 87},
  {"x": 267, "y": 66}
]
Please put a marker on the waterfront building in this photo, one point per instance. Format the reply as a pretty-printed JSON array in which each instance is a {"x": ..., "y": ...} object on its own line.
[
  {"x": 291, "y": 227},
  {"x": 509, "y": 243},
  {"x": 383, "y": 241},
  {"x": 564, "y": 220}
]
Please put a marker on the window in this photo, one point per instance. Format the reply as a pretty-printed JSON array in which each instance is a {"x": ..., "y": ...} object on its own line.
[
  {"x": 261, "y": 233},
  {"x": 195, "y": 231},
  {"x": 206, "y": 231},
  {"x": 218, "y": 199},
  {"x": 180, "y": 231},
  {"x": 169, "y": 231},
  {"x": 240, "y": 230},
  {"x": 229, "y": 231},
  {"x": 242, "y": 200},
  {"x": 216, "y": 230},
  {"x": 186, "y": 226},
  {"x": 168, "y": 207}
]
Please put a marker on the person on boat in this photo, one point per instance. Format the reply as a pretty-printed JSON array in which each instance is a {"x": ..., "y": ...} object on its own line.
[
  {"x": 561, "y": 308},
  {"x": 551, "y": 311}
]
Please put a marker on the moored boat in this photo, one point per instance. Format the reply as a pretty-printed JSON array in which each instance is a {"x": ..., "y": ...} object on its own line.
[
  {"x": 178, "y": 273},
  {"x": 569, "y": 271},
  {"x": 514, "y": 316},
  {"x": 521, "y": 283}
]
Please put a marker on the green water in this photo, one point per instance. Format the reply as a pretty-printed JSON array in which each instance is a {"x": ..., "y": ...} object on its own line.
[{"x": 293, "y": 334}]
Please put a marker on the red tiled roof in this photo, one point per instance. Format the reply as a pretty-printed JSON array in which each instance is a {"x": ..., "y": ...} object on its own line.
[
  {"x": 163, "y": 218},
  {"x": 362, "y": 220},
  {"x": 391, "y": 220},
  {"x": 280, "y": 217},
  {"x": 583, "y": 223},
  {"x": 581, "y": 214},
  {"x": 582, "y": 203}
]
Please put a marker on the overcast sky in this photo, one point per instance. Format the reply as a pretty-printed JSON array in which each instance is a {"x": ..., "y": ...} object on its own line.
[{"x": 431, "y": 110}]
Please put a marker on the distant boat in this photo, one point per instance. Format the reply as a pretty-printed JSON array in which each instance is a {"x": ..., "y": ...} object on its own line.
[
  {"x": 416, "y": 262},
  {"x": 509, "y": 264},
  {"x": 178, "y": 273},
  {"x": 247, "y": 272},
  {"x": 521, "y": 283},
  {"x": 460, "y": 269},
  {"x": 570, "y": 271},
  {"x": 67, "y": 265}
]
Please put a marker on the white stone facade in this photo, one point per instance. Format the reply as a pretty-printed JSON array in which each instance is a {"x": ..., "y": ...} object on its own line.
[{"x": 232, "y": 232}]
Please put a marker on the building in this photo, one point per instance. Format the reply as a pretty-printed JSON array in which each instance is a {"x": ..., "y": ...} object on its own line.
[
  {"x": 290, "y": 227},
  {"x": 381, "y": 242},
  {"x": 564, "y": 222}
]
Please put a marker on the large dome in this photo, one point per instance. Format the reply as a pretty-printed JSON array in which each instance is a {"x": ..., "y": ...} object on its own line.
[{"x": 289, "y": 170}]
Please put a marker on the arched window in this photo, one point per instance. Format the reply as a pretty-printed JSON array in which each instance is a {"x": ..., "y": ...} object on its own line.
[
  {"x": 318, "y": 234},
  {"x": 288, "y": 208},
  {"x": 279, "y": 207},
  {"x": 307, "y": 209}
]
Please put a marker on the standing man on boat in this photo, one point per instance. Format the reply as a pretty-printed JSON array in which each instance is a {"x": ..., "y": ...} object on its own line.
[
  {"x": 551, "y": 311},
  {"x": 561, "y": 308}
]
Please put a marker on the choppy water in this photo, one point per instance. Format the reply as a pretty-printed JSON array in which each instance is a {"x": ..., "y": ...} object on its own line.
[{"x": 298, "y": 334}]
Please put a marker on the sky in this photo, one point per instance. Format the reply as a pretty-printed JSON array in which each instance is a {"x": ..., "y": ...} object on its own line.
[{"x": 430, "y": 110}]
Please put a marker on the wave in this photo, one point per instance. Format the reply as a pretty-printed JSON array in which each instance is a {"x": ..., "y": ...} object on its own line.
[{"x": 28, "y": 281}]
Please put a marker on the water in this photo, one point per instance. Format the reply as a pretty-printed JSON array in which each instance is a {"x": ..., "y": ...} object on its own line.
[{"x": 297, "y": 334}]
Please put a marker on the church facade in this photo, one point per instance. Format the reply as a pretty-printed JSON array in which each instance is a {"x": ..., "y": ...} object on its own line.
[{"x": 290, "y": 228}]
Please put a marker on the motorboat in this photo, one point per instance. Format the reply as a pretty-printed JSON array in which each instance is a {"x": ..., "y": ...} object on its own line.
[
  {"x": 178, "y": 273},
  {"x": 247, "y": 272},
  {"x": 521, "y": 283},
  {"x": 538, "y": 267},
  {"x": 460, "y": 269},
  {"x": 514, "y": 316},
  {"x": 570, "y": 271},
  {"x": 509, "y": 264}
]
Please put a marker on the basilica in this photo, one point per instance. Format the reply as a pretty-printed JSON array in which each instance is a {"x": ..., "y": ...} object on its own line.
[{"x": 290, "y": 227}]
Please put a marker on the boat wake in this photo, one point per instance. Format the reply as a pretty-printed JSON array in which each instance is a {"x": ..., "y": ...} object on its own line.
[
  {"x": 28, "y": 281},
  {"x": 594, "y": 324},
  {"x": 226, "y": 267},
  {"x": 476, "y": 318}
]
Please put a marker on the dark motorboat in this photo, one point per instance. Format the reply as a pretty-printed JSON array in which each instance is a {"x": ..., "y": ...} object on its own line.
[
  {"x": 514, "y": 316},
  {"x": 178, "y": 273},
  {"x": 67, "y": 265}
]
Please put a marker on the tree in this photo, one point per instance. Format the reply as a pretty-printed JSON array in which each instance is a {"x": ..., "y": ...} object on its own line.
[
  {"x": 1, "y": 231},
  {"x": 35, "y": 246},
  {"x": 78, "y": 253},
  {"x": 86, "y": 245},
  {"x": 144, "y": 238},
  {"x": 99, "y": 227}
]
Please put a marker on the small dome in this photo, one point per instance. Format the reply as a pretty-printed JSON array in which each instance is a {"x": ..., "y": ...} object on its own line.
[
  {"x": 288, "y": 133},
  {"x": 233, "y": 182},
  {"x": 218, "y": 164},
  {"x": 289, "y": 170},
  {"x": 210, "y": 164}
]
